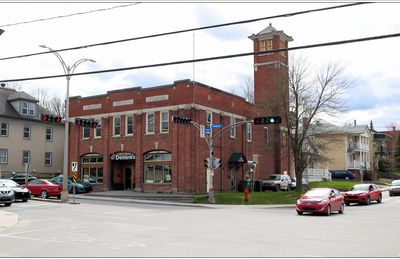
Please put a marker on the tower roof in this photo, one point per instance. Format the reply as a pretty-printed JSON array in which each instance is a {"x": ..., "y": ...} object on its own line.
[{"x": 269, "y": 32}]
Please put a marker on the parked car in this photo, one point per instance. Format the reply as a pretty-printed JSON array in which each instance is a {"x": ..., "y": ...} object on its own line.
[
  {"x": 363, "y": 193},
  {"x": 79, "y": 187},
  {"x": 303, "y": 181},
  {"x": 86, "y": 184},
  {"x": 21, "y": 177},
  {"x": 277, "y": 182},
  {"x": 6, "y": 196},
  {"x": 342, "y": 174},
  {"x": 44, "y": 188},
  {"x": 20, "y": 192},
  {"x": 320, "y": 200},
  {"x": 394, "y": 188}
]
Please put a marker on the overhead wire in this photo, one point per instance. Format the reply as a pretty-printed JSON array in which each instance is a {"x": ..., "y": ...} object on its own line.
[
  {"x": 68, "y": 15},
  {"x": 189, "y": 30},
  {"x": 379, "y": 37}
]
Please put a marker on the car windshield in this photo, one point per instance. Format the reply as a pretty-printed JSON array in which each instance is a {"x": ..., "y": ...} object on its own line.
[
  {"x": 8, "y": 183},
  {"x": 275, "y": 177},
  {"x": 318, "y": 193},
  {"x": 360, "y": 187},
  {"x": 396, "y": 183}
]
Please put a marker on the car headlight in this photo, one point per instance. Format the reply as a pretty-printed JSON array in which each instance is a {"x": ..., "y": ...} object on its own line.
[
  {"x": 322, "y": 202},
  {"x": 298, "y": 202}
]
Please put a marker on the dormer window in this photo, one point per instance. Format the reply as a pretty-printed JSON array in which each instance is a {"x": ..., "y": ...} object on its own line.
[
  {"x": 28, "y": 109},
  {"x": 266, "y": 45}
]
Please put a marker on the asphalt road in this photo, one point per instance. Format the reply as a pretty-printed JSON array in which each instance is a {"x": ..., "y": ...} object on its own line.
[{"x": 104, "y": 229}]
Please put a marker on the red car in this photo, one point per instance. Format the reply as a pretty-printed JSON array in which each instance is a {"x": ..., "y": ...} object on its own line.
[
  {"x": 44, "y": 188},
  {"x": 320, "y": 200},
  {"x": 363, "y": 193}
]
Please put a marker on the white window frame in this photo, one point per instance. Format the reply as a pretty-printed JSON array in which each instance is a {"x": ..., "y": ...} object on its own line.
[
  {"x": 29, "y": 131},
  {"x": 3, "y": 129},
  {"x": 97, "y": 129},
  {"x": 50, "y": 158},
  {"x": 24, "y": 108},
  {"x": 164, "y": 119},
  {"x": 28, "y": 157},
  {"x": 3, "y": 158},
  {"x": 148, "y": 126},
  {"x": 31, "y": 109},
  {"x": 115, "y": 125},
  {"x": 249, "y": 132},
  {"x": 50, "y": 135},
  {"x": 85, "y": 132},
  {"x": 232, "y": 130},
  {"x": 127, "y": 124}
]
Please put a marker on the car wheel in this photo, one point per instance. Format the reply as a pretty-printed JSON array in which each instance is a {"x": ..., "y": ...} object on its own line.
[
  {"x": 329, "y": 210},
  {"x": 43, "y": 194},
  {"x": 379, "y": 200},
  {"x": 347, "y": 203},
  {"x": 390, "y": 194},
  {"x": 368, "y": 201},
  {"x": 299, "y": 212},
  {"x": 341, "y": 211},
  {"x": 7, "y": 204},
  {"x": 59, "y": 196},
  {"x": 24, "y": 200}
]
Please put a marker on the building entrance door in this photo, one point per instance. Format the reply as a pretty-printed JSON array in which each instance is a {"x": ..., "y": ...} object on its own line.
[{"x": 128, "y": 178}]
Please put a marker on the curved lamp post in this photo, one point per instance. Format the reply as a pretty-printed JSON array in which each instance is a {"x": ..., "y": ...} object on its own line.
[{"x": 68, "y": 70}]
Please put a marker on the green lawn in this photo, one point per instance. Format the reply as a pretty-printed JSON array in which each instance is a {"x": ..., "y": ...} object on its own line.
[{"x": 270, "y": 197}]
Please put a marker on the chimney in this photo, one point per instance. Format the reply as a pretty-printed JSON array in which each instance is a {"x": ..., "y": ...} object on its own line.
[{"x": 355, "y": 123}]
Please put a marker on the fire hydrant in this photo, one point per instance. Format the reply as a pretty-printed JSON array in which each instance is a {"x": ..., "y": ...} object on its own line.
[{"x": 246, "y": 194}]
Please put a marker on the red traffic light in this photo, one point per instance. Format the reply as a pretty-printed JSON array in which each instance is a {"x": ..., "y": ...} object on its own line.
[
  {"x": 86, "y": 122},
  {"x": 51, "y": 118},
  {"x": 181, "y": 120}
]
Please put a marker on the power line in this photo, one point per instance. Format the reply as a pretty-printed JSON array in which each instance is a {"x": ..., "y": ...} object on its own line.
[
  {"x": 68, "y": 15},
  {"x": 189, "y": 30},
  {"x": 214, "y": 58}
]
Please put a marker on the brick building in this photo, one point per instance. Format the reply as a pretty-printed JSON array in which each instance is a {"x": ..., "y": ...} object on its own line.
[{"x": 137, "y": 146}]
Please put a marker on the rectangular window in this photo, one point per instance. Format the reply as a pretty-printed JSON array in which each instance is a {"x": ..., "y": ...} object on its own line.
[
  {"x": 208, "y": 121},
  {"x": 4, "y": 129},
  {"x": 129, "y": 125},
  {"x": 232, "y": 129},
  {"x": 116, "y": 126},
  {"x": 249, "y": 132},
  {"x": 97, "y": 130},
  {"x": 266, "y": 138},
  {"x": 49, "y": 134},
  {"x": 157, "y": 174},
  {"x": 3, "y": 156},
  {"x": 86, "y": 132},
  {"x": 26, "y": 157},
  {"x": 164, "y": 122},
  {"x": 269, "y": 45},
  {"x": 31, "y": 109},
  {"x": 150, "y": 123},
  {"x": 48, "y": 159},
  {"x": 27, "y": 131},
  {"x": 262, "y": 45},
  {"x": 24, "y": 108}
]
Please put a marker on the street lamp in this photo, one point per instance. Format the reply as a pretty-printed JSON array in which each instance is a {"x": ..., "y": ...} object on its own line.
[{"x": 68, "y": 70}]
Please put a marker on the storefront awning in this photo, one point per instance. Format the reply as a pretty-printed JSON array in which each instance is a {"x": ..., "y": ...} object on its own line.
[{"x": 237, "y": 158}]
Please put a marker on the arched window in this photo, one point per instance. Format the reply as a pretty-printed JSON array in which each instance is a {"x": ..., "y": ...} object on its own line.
[
  {"x": 157, "y": 167},
  {"x": 92, "y": 168}
]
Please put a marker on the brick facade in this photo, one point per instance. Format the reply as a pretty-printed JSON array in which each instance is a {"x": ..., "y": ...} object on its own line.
[{"x": 173, "y": 161}]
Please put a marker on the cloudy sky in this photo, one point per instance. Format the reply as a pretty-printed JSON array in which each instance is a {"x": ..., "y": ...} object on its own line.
[{"x": 372, "y": 66}]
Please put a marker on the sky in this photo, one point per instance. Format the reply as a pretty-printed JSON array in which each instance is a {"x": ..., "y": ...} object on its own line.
[{"x": 373, "y": 66}]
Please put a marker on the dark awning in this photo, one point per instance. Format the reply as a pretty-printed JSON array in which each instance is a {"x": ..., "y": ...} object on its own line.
[{"x": 237, "y": 158}]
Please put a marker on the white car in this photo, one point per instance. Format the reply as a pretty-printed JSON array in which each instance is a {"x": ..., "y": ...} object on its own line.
[
  {"x": 304, "y": 183},
  {"x": 277, "y": 182},
  {"x": 7, "y": 196}
]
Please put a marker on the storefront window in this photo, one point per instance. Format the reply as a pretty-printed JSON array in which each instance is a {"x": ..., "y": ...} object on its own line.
[
  {"x": 92, "y": 168},
  {"x": 157, "y": 167}
]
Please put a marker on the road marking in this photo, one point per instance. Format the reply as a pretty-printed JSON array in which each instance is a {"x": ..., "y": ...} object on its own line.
[{"x": 37, "y": 239}]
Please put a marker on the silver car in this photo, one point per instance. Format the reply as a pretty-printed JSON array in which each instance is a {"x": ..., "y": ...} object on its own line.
[
  {"x": 277, "y": 182},
  {"x": 7, "y": 196},
  {"x": 394, "y": 188}
]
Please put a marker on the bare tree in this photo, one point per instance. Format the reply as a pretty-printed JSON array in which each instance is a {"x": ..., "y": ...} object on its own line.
[
  {"x": 313, "y": 94},
  {"x": 54, "y": 104},
  {"x": 247, "y": 90}
]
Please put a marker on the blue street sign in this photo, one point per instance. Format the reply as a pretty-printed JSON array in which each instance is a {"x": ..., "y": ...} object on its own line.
[
  {"x": 216, "y": 125},
  {"x": 207, "y": 130}
]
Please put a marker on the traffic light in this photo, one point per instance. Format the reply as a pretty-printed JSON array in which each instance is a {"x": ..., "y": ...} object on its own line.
[
  {"x": 51, "y": 118},
  {"x": 217, "y": 163},
  {"x": 86, "y": 122},
  {"x": 207, "y": 163},
  {"x": 181, "y": 120},
  {"x": 262, "y": 120}
]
